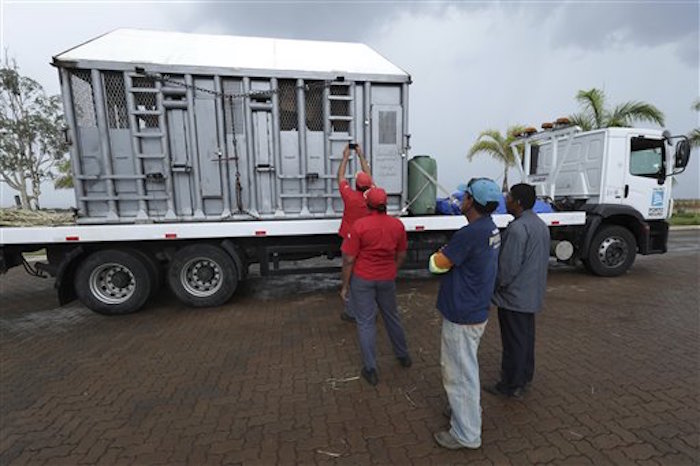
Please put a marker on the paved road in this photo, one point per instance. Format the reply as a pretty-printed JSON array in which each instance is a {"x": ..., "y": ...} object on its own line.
[{"x": 272, "y": 377}]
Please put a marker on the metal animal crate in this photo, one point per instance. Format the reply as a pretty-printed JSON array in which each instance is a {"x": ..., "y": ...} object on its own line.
[{"x": 181, "y": 127}]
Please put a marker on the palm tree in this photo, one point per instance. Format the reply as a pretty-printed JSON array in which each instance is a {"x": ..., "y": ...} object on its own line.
[
  {"x": 595, "y": 115},
  {"x": 493, "y": 143},
  {"x": 694, "y": 136}
]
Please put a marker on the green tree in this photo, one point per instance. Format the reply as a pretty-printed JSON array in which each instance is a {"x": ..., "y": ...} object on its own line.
[
  {"x": 31, "y": 125},
  {"x": 64, "y": 178},
  {"x": 595, "y": 115},
  {"x": 492, "y": 142},
  {"x": 694, "y": 135}
]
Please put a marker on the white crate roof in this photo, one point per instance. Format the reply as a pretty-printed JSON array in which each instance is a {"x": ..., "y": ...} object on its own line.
[{"x": 140, "y": 46}]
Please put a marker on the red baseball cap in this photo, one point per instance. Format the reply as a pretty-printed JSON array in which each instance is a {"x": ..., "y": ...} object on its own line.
[
  {"x": 376, "y": 197},
  {"x": 363, "y": 180}
]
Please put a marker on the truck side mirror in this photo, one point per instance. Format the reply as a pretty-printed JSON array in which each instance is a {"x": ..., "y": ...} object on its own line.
[
  {"x": 661, "y": 177},
  {"x": 682, "y": 153}
]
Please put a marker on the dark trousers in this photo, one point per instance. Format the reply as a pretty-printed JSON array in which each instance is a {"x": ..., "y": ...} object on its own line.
[
  {"x": 518, "y": 340},
  {"x": 365, "y": 295}
]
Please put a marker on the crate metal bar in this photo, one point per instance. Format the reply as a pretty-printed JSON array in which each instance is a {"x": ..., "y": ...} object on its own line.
[
  {"x": 367, "y": 116},
  {"x": 301, "y": 129},
  {"x": 252, "y": 182},
  {"x": 165, "y": 146},
  {"x": 327, "y": 144},
  {"x": 76, "y": 168},
  {"x": 103, "y": 129},
  {"x": 276, "y": 149},
  {"x": 351, "y": 124},
  {"x": 140, "y": 90},
  {"x": 142, "y": 214},
  {"x": 404, "y": 143},
  {"x": 192, "y": 149},
  {"x": 223, "y": 149}
]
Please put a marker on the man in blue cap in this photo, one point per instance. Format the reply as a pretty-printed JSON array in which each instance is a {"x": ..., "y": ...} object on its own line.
[{"x": 469, "y": 263}]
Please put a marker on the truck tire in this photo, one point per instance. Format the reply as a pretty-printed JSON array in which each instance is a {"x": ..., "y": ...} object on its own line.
[
  {"x": 202, "y": 275},
  {"x": 612, "y": 251},
  {"x": 113, "y": 282},
  {"x": 155, "y": 270}
]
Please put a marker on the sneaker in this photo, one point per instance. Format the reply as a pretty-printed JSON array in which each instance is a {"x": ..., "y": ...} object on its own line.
[
  {"x": 405, "y": 361},
  {"x": 500, "y": 389},
  {"x": 370, "y": 375},
  {"x": 347, "y": 317},
  {"x": 446, "y": 440}
]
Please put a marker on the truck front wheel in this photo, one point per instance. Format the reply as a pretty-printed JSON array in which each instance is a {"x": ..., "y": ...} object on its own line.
[
  {"x": 113, "y": 282},
  {"x": 202, "y": 275},
  {"x": 612, "y": 251}
]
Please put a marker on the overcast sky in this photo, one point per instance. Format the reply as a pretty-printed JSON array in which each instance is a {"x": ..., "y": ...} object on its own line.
[{"x": 475, "y": 65}]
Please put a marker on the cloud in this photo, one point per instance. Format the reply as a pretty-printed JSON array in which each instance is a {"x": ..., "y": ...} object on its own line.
[
  {"x": 587, "y": 25},
  {"x": 474, "y": 70},
  {"x": 599, "y": 25},
  {"x": 329, "y": 20}
]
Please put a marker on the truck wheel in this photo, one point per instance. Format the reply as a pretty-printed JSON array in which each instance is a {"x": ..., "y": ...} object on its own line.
[
  {"x": 612, "y": 251},
  {"x": 202, "y": 275},
  {"x": 113, "y": 282},
  {"x": 155, "y": 270}
]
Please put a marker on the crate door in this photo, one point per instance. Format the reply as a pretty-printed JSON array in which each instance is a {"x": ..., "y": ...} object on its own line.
[{"x": 386, "y": 147}]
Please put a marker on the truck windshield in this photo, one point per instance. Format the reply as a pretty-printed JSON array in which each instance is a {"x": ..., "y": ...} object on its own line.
[{"x": 646, "y": 157}]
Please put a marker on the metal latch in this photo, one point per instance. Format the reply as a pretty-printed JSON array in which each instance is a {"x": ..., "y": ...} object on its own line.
[
  {"x": 181, "y": 168},
  {"x": 155, "y": 177}
]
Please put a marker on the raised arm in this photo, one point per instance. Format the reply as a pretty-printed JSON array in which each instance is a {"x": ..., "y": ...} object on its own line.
[
  {"x": 343, "y": 164},
  {"x": 363, "y": 161}
]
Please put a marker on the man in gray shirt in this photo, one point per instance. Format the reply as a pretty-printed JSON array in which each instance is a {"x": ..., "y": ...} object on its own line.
[{"x": 520, "y": 288}]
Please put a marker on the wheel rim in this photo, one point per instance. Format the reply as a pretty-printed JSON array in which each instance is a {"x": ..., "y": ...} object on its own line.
[
  {"x": 201, "y": 277},
  {"x": 613, "y": 251},
  {"x": 112, "y": 283}
]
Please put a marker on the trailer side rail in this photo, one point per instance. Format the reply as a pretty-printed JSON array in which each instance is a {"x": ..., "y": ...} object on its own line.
[{"x": 203, "y": 230}]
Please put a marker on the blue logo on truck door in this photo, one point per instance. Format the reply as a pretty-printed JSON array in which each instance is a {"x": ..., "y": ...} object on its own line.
[
  {"x": 657, "y": 203},
  {"x": 657, "y": 197}
]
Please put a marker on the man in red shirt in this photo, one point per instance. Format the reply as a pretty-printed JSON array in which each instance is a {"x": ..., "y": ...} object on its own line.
[
  {"x": 373, "y": 251},
  {"x": 354, "y": 204}
]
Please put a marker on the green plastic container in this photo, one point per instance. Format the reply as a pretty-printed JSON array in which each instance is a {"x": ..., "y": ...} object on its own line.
[{"x": 422, "y": 191}]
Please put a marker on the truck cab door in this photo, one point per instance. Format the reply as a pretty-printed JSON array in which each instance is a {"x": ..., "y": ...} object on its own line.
[{"x": 647, "y": 189}]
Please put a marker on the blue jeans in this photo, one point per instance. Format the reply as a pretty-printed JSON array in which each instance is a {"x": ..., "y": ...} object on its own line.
[
  {"x": 460, "y": 376},
  {"x": 364, "y": 296}
]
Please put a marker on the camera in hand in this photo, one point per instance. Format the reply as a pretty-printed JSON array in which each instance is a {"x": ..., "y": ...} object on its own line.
[{"x": 352, "y": 146}]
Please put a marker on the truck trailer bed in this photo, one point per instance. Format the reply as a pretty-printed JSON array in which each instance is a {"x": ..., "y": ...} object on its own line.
[{"x": 241, "y": 229}]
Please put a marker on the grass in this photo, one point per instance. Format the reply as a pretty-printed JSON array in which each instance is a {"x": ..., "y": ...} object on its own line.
[{"x": 685, "y": 218}]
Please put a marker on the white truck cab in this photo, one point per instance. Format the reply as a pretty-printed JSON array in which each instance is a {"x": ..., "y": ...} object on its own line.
[{"x": 621, "y": 177}]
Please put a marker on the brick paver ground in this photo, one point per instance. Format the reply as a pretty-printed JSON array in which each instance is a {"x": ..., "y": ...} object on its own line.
[{"x": 272, "y": 377}]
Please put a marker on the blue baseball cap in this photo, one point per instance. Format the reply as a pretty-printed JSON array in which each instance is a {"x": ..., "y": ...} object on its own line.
[{"x": 483, "y": 190}]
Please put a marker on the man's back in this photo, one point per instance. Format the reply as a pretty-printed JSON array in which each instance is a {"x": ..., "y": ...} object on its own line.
[
  {"x": 377, "y": 238},
  {"x": 522, "y": 274}
]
